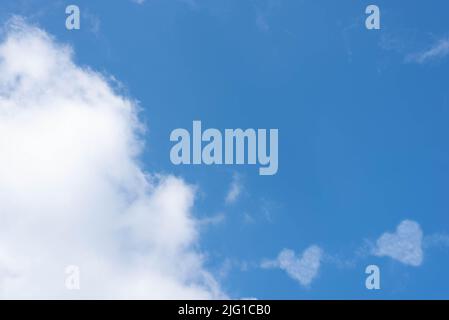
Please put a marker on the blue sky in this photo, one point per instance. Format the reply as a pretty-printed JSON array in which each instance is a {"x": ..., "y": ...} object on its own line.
[{"x": 362, "y": 118}]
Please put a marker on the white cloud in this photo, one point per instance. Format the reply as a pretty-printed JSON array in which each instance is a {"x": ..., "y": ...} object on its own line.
[
  {"x": 138, "y": 1},
  {"x": 437, "y": 51},
  {"x": 405, "y": 245},
  {"x": 303, "y": 269},
  {"x": 234, "y": 190},
  {"x": 72, "y": 191}
]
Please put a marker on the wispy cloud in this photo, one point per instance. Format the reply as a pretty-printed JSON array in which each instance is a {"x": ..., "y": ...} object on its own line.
[
  {"x": 248, "y": 218},
  {"x": 438, "y": 51},
  {"x": 235, "y": 189},
  {"x": 261, "y": 22},
  {"x": 436, "y": 240},
  {"x": 93, "y": 22},
  {"x": 303, "y": 269},
  {"x": 191, "y": 3},
  {"x": 229, "y": 265},
  {"x": 213, "y": 220},
  {"x": 264, "y": 10}
]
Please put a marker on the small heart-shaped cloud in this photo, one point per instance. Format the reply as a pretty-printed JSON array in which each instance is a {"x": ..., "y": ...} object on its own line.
[
  {"x": 302, "y": 269},
  {"x": 405, "y": 245}
]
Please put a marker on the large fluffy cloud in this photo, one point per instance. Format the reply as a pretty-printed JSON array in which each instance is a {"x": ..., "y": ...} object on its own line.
[{"x": 72, "y": 191}]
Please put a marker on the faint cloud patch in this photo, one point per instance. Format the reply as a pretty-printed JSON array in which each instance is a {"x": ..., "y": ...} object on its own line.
[
  {"x": 191, "y": 3},
  {"x": 235, "y": 189},
  {"x": 248, "y": 218},
  {"x": 392, "y": 42},
  {"x": 339, "y": 262},
  {"x": 213, "y": 220},
  {"x": 93, "y": 22},
  {"x": 264, "y": 10},
  {"x": 261, "y": 22},
  {"x": 229, "y": 265},
  {"x": 268, "y": 207},
  {"x": 436, "y": 240}
]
